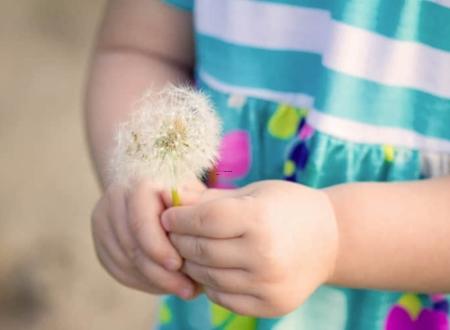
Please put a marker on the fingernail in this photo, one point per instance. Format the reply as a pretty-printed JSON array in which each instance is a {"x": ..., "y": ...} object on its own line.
[
  {"x": 186, "y": 293},
  {"x": 165, "y": 222},
  {"x": 171, "y": 264}
]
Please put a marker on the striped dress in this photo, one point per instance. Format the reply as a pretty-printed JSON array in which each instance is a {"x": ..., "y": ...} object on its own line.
[{"x": 323, "y": 92}]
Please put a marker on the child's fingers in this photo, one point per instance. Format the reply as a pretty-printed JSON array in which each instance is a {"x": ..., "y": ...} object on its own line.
[
  {"x": 110, "y": 253},
  {"x": 226, "y": 280},
  {"x": 123, "y": 274},
  {"x": 144, "y": 207},
  {"x": 117, "y": 215},
  {"x": 140, "y": 273},
  {"x": 221, "y": 253},
  {"x": 237, "y": 303},
  {"x": 189, "y": 193},
  {"x": 218, "y": 218},
  {"x": 173, "y": 282}
]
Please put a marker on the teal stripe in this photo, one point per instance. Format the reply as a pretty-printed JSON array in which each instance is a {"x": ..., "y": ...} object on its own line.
[
  {"x": 335, "y": 93},
  {"x": 409, "y": 20},
  {"x": 286, "y": 71},
  {"x": 372, "y": 103},
  {"x": 181, "y": 4},
  {"x": 318, "y": 4}
]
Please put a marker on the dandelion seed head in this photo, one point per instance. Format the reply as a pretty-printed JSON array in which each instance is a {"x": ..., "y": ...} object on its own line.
[{"x": 171, "y": 137}]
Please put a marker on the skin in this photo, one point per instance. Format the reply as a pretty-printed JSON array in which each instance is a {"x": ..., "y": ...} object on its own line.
[
  {"x": 141, "y": 43},
  {"x": 260, "y": 250},
  {"x": 263, "y": 249},
  {"x": 250, "y": 248}
]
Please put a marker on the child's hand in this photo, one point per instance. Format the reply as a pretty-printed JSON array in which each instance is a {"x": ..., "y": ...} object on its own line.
[
  {"x": 260, "y": 250},
  {"x": 132, "y": 245}
]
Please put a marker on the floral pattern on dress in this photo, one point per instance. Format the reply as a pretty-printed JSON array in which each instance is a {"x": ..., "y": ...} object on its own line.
[{"x": 409, "y": 313}]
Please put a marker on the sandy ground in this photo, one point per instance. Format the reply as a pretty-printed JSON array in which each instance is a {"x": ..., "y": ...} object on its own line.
[{"x": 49, "y": 275}]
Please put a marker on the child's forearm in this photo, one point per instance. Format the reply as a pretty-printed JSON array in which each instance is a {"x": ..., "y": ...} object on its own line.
[
  {"x": 117, "y": 82},
  {"x": 135, "y": 52},
  {"x": 393, "y": 235}
]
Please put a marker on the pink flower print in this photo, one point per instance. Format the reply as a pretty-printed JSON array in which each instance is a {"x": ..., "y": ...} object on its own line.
[
  {"x": 409, "y": 314},
  {"x": 305, "y": 132},
  {"x": 234, "y": 160}
]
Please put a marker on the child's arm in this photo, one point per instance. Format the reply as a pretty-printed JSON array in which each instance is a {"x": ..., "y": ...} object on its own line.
[
  {"x": 393, "y": 235},
  {"x": 263, "y": 249},
  {"x": 141, "y": 44}
]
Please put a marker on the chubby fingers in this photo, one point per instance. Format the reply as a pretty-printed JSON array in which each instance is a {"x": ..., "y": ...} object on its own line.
[
  {"x": 122, "y": 254},
  {"x": 144, "y": 207},
  {"x": 112, "y": 257},
  {"x": 222, "y": 253},
  {"x": 226, "y": 280},
  {"x": 230, "y": 288},
  {"x": 217, "y": 218}
]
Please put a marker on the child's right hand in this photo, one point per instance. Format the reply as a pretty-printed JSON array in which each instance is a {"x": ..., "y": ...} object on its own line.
[{"x": 131, "y": 243}]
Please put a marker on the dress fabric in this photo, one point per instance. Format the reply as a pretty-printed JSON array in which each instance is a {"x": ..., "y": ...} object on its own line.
[{"x": 323, "y": 92}]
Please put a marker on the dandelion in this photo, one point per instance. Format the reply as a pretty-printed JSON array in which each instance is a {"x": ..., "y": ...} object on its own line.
[{"x": 172, "y": 136}]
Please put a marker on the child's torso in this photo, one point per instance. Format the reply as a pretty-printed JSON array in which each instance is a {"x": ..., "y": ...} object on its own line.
[{"x": 325, "y": 92}]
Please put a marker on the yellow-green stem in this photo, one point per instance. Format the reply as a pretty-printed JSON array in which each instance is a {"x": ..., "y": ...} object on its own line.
[{"x": 176, "y": 199}]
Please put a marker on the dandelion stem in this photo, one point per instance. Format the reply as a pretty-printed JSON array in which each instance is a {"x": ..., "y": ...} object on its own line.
[{"x": 176, "y": 200}]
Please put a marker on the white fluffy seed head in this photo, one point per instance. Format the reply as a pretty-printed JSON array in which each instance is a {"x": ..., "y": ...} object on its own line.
[{"x": 171, "y": 137}]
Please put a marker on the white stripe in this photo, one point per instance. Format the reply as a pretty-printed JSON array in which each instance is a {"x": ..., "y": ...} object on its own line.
[
  {"x": 434, "y": 164},
  {"x": 262, "y": 24},
  {"x": 363, "y": 133},
  {"x": 344, "y": 48},
  {"x": 444, "y": 3},
  {"x": 341, "y": 128},
  {"x": 400, "y": 63},
  {"x": 296, "y": 99}
]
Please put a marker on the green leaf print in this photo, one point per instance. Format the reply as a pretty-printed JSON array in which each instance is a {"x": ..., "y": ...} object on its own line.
[
  {"x": 165, "y": 315},
  {"x": 284, "y": 122},
  {"x": 223, "y": 319}
]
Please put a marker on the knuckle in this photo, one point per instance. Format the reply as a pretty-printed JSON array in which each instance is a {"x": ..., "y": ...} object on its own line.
[
  {"x": 203, "y": 215},
  {"x": 133, "y": 254},
  {"x": 199, "y": 248},
  {"x": 211, "y": 278},
  {"x": 135, "y": 220}
]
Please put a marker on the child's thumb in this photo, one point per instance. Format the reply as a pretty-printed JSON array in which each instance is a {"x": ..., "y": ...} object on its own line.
[
  {"x": 190, "y": 196},
  {"x": 188, "y": 193}
]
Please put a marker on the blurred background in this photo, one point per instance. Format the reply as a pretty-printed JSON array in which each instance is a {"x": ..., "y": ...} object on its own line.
[{"x": 49, "y": 275}]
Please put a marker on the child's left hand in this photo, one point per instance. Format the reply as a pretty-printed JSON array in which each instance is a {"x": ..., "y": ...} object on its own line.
[{"x": 260, "y": 250}]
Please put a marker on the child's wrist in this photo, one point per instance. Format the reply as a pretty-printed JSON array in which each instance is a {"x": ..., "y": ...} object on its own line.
[{"x": 333, "y": 276}]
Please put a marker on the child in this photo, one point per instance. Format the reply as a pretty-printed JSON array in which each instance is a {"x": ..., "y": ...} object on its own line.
[{"x": 315, "y": 96}]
